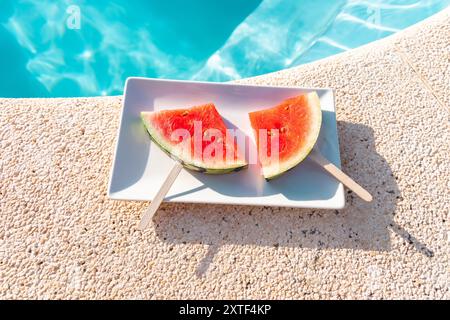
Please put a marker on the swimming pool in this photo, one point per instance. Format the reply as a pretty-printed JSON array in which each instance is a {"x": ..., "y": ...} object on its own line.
[{"x": 77, "y": 48}]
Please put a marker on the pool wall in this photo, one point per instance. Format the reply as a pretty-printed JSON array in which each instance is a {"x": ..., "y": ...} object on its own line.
[{"x": 61, "y": 237}]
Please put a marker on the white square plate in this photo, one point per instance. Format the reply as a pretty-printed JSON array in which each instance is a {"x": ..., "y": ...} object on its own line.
[{"x": 140, "y": 167}]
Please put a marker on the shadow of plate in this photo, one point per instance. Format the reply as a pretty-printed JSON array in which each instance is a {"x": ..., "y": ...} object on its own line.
[{"x": 359, "y": 226}]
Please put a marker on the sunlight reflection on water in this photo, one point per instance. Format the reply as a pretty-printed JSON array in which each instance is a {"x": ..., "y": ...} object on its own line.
[{"x": 78, "y": 48}]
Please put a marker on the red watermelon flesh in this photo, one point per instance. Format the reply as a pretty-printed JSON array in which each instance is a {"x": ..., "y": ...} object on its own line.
[
  {"x": 197, "y": 137},
  {"x": 290, "y": 129}
]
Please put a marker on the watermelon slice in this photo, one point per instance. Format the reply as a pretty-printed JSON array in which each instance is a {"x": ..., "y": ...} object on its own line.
[
  {"x": 196, "y": 137},
  {"x": 286, "y": 133}
]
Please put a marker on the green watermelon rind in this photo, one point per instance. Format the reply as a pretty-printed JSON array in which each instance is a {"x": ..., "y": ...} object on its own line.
[
  {"x": 314, "y": 103},
  {"x": 197, "y": 166}
]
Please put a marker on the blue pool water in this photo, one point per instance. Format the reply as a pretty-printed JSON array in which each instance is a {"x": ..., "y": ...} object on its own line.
[{"x": 67, "y": 48}]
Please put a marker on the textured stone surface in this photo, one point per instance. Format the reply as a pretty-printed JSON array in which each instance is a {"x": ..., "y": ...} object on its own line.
[
  {"x": 427, "y": 51},
  {"x": 60, "y": 236}
]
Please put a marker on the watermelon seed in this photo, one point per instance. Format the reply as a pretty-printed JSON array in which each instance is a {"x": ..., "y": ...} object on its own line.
[
  {"x": 283, "y": 130},
  {"x": 185, "y": 113}
]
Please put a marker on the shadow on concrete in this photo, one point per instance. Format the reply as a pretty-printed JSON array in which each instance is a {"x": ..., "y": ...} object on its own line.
[{"x": 359, "y": 226}]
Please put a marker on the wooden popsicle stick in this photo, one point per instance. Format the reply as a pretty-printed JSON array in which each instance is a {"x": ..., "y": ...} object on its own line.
[
  {"x": 339, "y": 175},
  {"x": 156, "y": 202}
]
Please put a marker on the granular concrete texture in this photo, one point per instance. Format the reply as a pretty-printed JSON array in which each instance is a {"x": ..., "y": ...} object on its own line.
[{"x": 61, "y": 237}]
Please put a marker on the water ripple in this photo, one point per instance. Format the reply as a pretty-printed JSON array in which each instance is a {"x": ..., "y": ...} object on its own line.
[{"x": 199, "y": 39}]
